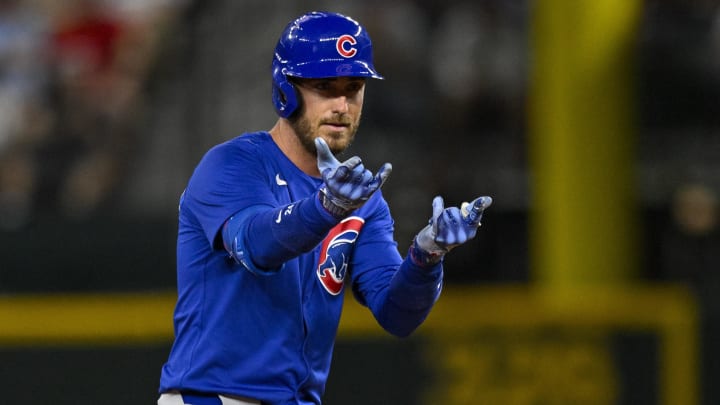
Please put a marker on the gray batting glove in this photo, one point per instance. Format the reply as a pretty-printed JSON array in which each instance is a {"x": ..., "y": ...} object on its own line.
[
  {"x": 448, "y": 228},
  {"x": 347, "y": 185}
]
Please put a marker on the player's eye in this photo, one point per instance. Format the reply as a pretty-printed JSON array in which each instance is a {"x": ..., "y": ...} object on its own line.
[
  {"x": 323, "y": 85},
  {"x": 334, "y": 87},
  {"x": 354, "y": 86}
]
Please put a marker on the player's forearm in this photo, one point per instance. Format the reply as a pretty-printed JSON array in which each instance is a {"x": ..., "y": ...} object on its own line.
[
  {"x": 412, "y": 292},
  {"x": 267, "y": 238}
]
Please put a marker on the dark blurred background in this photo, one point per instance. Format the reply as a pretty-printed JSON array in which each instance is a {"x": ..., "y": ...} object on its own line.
[{"x": 106, "y": 106}]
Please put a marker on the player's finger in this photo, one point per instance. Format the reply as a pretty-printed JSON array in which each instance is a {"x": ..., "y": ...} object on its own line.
[
  {"x": 349, "y": 170},
  {"x": 382, "y": 175},
  {"x": 472, "y": 212},
  {"x": 354, "y": 164},
  {"x": 341, "y": 174},
  {"x": 325, "y": 158},
  {"x": 380, "y": 178},
  {"x": 481, "y": 203},
  {"x": 358, "y": 175},
  {"x": 365, "y": 177},
  {"x": 451, "y": 231}
]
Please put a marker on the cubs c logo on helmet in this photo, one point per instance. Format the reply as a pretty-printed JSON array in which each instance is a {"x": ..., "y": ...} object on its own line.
[
  {"x": 335, "y": 254},
  {"x": 345, "y": 44}
]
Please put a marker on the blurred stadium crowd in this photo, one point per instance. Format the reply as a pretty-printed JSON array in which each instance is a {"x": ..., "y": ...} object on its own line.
[
  {"x": 72, "y": 78},
  {"x": 107, "y": 105}
]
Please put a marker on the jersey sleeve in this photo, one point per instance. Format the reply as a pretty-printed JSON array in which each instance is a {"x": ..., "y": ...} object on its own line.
[
  {"x": 399, "y": 293},
  {"x": 228, "y": 179},
  {"x": 262, "y": 240}
]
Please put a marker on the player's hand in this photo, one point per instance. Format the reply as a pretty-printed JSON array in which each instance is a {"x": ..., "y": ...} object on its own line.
[
  {"x": 347, "y": 185},
  {"x": 448, "y": 228}
]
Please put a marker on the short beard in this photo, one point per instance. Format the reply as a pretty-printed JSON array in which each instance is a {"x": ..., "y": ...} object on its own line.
[{"x": 303, "y": 131}]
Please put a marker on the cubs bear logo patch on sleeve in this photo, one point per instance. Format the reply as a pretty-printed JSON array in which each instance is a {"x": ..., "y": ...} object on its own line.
[{"x": 335, "y": 254}]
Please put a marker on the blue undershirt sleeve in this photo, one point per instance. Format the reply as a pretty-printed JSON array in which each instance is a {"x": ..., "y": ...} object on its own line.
[
  {"x": 411, "y": 294},
  {"x": 262, "y": 238}
]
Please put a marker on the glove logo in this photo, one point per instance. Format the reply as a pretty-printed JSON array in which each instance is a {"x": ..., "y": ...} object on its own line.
[
  {"x": 343, "y": 50},
  {"x": 335, "y": 254}
]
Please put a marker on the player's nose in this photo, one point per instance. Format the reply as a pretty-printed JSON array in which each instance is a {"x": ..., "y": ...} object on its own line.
[{"x": 340, "y": 104}]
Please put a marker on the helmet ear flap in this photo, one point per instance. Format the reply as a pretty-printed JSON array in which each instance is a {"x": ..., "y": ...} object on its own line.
[{"x": 284, "y": 94}]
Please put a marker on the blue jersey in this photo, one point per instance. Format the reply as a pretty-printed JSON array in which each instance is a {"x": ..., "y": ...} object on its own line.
[{"x": 270, "y": 336}]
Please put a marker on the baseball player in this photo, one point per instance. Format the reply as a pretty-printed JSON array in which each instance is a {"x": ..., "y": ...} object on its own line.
[{"x": 274, "y": 230}]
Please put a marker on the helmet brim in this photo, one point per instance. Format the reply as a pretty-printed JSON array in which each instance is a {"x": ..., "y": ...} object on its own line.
[{"x": 332, "y": 68}]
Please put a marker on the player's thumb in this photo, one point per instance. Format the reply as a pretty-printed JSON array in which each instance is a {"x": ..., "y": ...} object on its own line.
[
  {"x": 438, "y": 205},
  {"x": 325, "y": 158}
]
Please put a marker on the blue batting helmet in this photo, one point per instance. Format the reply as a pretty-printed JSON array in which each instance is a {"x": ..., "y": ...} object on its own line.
[{"x": 318, "y": 45}]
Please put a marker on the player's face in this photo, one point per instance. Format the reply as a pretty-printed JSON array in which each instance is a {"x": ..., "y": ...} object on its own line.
[{"x": 331, "y": 108}]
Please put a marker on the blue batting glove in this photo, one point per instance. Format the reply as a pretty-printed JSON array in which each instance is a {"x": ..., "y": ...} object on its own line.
[
  {"x": 347, "y": 185},
  {"x": 448, "y": 228}
]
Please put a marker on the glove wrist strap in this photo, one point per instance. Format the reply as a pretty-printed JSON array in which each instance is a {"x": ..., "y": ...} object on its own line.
[
  {"x": 424, "y": 258},
  {"x": 334, "y": 209}
]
